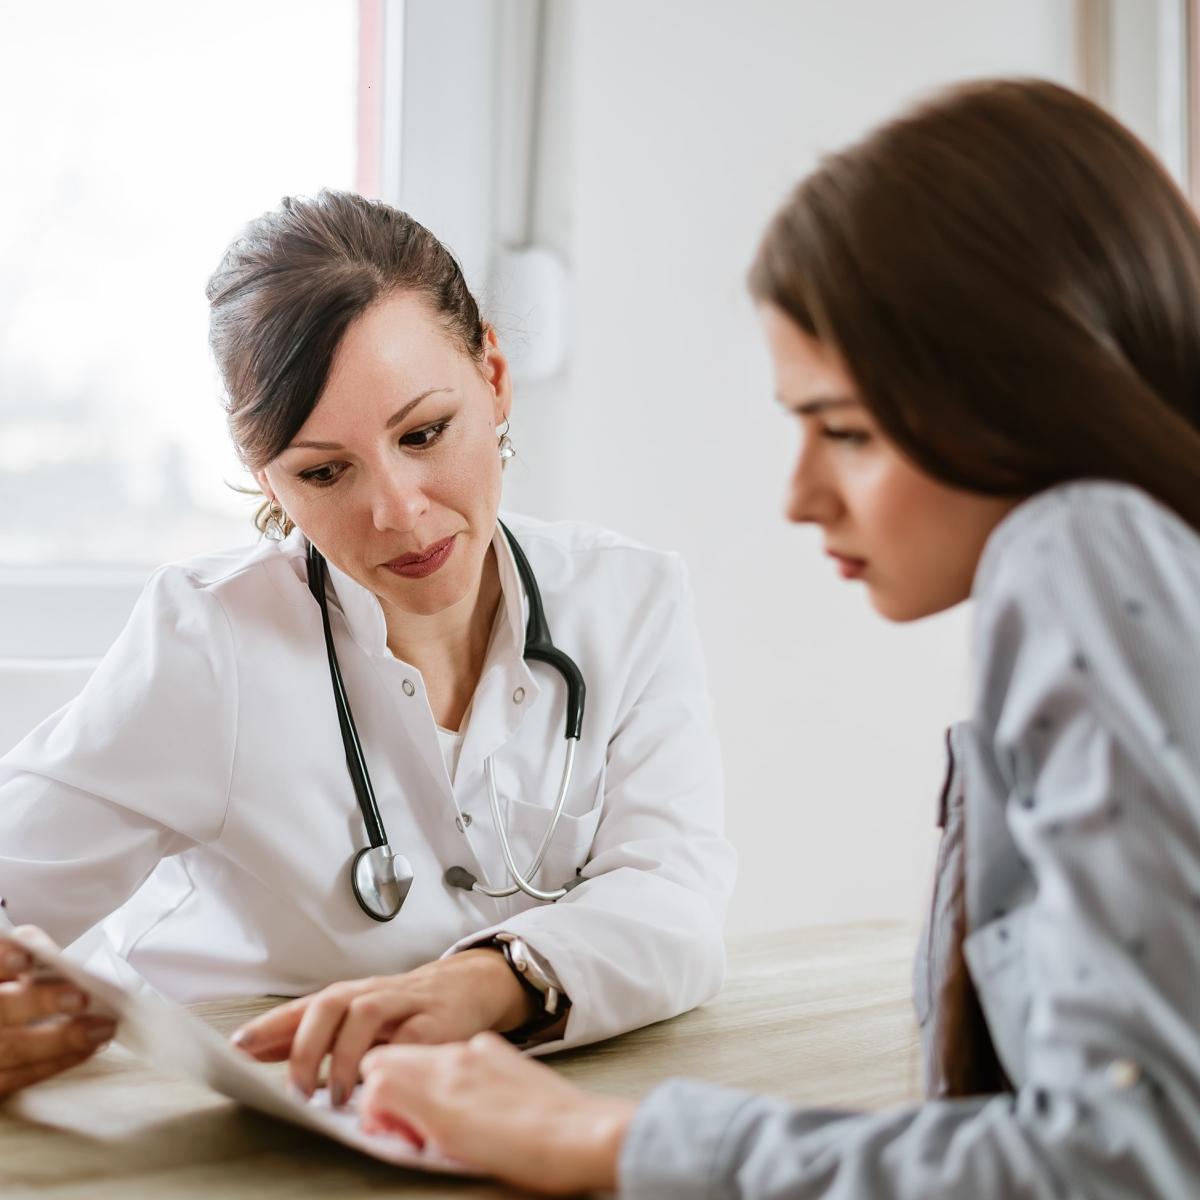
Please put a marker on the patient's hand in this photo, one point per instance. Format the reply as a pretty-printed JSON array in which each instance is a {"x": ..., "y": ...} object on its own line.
[
  {"x": 44, "y": 1023},
  {"x": 485, "y": 1105}
]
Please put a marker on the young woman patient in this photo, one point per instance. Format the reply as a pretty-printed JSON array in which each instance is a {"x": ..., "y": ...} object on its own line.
[{"x": 985, "y": 323}]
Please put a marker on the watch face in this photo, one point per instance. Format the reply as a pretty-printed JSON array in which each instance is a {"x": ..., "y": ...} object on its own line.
[{"x": 533, "y": 973}]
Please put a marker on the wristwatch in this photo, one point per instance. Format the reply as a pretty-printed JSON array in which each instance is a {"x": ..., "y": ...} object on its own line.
[{"x": 537, "y": 977}]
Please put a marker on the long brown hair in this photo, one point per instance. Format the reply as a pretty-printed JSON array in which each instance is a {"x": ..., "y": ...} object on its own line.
[
  {"x": 288, "y": 288},
  {"x": 1013, "y": 281}
]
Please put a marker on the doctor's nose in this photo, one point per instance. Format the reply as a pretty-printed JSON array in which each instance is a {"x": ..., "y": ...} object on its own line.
[{"x": 397, "y": 504}]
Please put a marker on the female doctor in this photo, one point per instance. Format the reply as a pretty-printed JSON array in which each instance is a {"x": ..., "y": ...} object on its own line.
[{"x": 338, "y": 755}]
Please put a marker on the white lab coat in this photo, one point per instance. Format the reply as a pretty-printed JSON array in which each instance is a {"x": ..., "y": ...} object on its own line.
[{"x": 195, "y": 799}]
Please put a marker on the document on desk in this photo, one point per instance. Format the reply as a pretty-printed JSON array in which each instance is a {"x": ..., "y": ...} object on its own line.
[{"x": 178, "y": 1043}]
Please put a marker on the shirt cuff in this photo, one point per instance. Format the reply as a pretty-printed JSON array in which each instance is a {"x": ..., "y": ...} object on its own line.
[{"x": 675, "y": 1146}]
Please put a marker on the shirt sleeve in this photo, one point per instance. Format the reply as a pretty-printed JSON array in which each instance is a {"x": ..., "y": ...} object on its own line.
[
  {"x": 137, "y": 767},
  {"x": 642, "y": 937},
  {"x": 1087, "y": 638}
]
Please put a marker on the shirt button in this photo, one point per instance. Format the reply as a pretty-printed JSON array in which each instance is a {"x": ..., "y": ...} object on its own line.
[
  {"x": 409, "y": 689},
  {"x": 518, "y": 695},
  {"x": 1124, "y": 1073}
]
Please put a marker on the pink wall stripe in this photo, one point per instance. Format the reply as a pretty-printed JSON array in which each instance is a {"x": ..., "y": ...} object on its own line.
[{"x": 368, "y": 170}]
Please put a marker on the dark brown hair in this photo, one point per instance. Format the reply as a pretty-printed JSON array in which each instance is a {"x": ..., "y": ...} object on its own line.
[
  {"x": 1013, "y": 281},
  {"x": 288, "y": 288}
]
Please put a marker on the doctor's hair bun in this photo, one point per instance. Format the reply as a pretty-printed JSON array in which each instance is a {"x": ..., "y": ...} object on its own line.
[{"x": 291, "y": 284}]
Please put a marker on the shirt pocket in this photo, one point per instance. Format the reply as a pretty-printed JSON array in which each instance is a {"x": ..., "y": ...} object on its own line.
[
  {"x": 936, "y": 940},
  {"x": 571, "y": 845},
  {"x": 997, "y": 955}
]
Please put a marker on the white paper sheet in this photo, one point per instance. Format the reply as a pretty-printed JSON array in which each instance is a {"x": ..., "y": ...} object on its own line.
[{"x": 176, "y": 1042}]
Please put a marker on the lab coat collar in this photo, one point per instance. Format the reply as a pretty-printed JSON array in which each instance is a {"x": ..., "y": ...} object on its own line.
[
  {"x": 364, "y": 617},
  {"x": 496, "y": 715}
]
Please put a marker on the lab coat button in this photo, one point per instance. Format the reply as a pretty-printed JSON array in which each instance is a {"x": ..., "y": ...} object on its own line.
[
  {"x": 463, "y": 822},
  {"x": 1124, "y": 1073},
  {"x": 518, "y": 695},
  {"x": 409, "y": 689}
]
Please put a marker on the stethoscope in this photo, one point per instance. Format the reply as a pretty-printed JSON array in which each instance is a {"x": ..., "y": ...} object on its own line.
[{"x": 382, "y": 878}]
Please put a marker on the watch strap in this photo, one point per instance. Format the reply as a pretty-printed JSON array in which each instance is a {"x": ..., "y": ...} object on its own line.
[{"x": 537, "y": 978}]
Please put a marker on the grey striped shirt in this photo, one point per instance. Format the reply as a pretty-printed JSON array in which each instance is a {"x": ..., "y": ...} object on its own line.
[{"x": 1075, "y": 798}]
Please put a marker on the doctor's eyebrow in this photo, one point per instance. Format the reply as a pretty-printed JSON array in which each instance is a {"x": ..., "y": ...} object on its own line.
[
  {"x": 819, "y": 404},
  {"x": 392, "y": 421}
]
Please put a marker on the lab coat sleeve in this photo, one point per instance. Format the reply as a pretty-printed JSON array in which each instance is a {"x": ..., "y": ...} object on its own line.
[
  {"x": 137, "y": 767},
  {"x": 1089, "y": 678},
  {"x": 642, "y": 938}
]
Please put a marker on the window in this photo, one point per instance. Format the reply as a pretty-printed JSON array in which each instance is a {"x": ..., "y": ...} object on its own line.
[{"x": 137, "y": 139}]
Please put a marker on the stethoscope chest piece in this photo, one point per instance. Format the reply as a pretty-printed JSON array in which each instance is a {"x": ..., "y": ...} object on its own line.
[{"x": 381, "y": 881}]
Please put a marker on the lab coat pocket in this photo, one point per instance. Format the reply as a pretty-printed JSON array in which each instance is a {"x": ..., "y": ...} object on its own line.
[{"x": 571, "y": 845}]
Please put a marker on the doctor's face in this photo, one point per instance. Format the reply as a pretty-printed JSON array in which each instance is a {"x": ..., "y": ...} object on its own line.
[
  {"x": 395, "y": 476},
  {"x": 912, "y": 541}
]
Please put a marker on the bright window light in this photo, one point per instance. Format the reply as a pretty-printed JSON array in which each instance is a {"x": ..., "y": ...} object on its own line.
[{"x": 136, "y": 139}]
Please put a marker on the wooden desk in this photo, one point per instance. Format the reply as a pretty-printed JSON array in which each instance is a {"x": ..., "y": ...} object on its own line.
[{"x": 821, "y": 1016}]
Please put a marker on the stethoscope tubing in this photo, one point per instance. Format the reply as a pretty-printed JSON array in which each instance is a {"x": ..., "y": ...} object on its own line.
[
  {"x": 538, "y": 647},
  {"x": 356, "y": 762},
  {"x": 521, "y": 882}
]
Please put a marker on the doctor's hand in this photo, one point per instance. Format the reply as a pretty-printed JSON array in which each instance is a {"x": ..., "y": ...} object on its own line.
[
  {"x": 486, "y": 1105},
  {"x": 444, "y": 1001},
  {"x": 44, "y": 1024}
]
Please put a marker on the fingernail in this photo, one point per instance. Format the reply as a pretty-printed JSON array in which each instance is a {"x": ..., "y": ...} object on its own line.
[
  {"x": 242, "y": 1037},
  {"x": 70, "y": 1001},
  {"x": 100, "y": 1033},
  {"x": 15, "y": 962},
  {"x": 337, "y": 1095}
]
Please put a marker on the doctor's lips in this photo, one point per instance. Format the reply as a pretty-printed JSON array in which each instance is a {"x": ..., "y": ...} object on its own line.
[
  {"x": 424, "y": 562},
  {"x": 848, "y": 567}
]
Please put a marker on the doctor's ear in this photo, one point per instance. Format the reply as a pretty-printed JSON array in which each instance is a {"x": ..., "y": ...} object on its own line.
[
  {"x": 493, "y": 366},
  {"x": 264, "y": 486}
]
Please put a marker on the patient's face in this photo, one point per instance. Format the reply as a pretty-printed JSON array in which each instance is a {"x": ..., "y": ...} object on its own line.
[
  {"x": 399, "y": 458},
  {"x": 913, "y": 542}
]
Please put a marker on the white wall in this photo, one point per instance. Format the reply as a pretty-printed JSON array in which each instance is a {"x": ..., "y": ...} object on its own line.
[
  {"x": 687, "y": 122},
  {"x": 673, "y": 128}
]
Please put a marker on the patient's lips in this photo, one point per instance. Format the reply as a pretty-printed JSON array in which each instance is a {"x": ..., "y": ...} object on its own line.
[{"x": 848, "y": 566}]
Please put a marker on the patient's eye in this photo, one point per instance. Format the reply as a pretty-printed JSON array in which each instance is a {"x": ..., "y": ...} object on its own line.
[{"x": 849, "y": 437}]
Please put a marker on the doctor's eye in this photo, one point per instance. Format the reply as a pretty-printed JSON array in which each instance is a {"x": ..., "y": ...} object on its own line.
[
  {"x": 323, "y": 475},
  {"x": 419, "y": 439}
]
